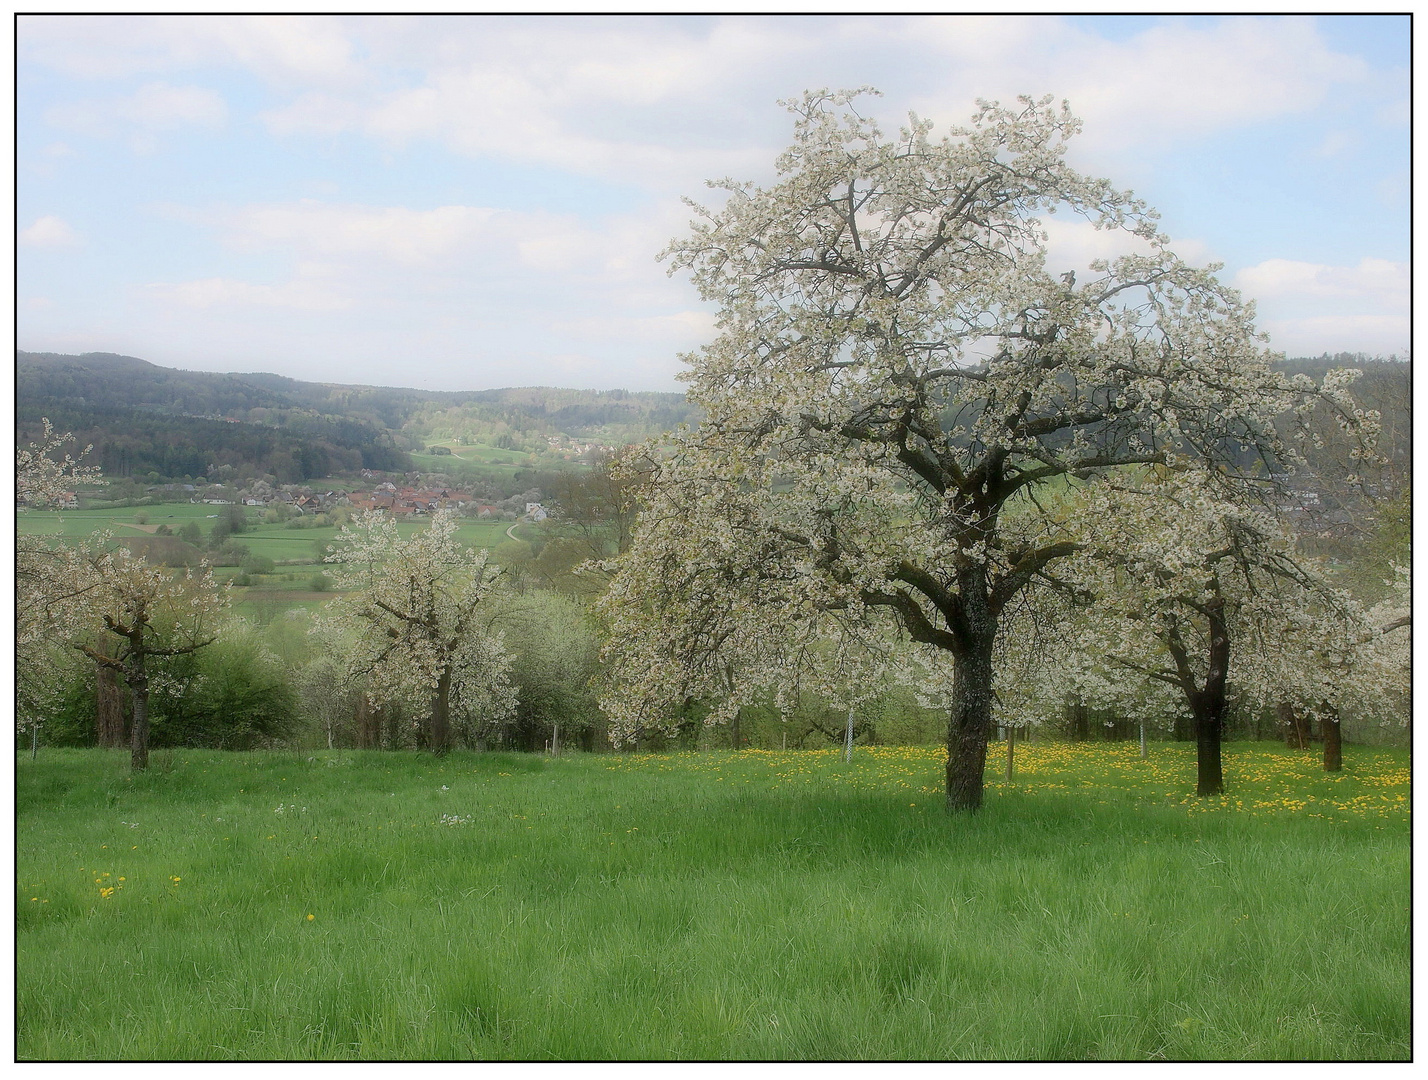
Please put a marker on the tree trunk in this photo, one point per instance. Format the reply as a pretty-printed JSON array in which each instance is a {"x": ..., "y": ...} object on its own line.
[
  {"x": 1080, "y": 721},
  {"x": 362, "y": 722},
  {"x": 1292, "y": 725},
  {"x": 1209, "y": 770},
  {"x": 441, "y": 715},
  {"x": 1210, "y": 706},
  {"x": 1333, "y": 740},
  {"x": 108, "y": 707},
  {"x": 848, "y": 740},
  {"x": 970, "y": 725},
  {"x": 139, "y": 736},
  {"x": 735, "y": 735}
]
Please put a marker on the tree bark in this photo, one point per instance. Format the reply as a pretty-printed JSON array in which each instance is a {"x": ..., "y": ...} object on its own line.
[
  {"x": 1080, "y": 721},
  {"x": 1209, "y": 707},
  {"x": 365, "y": 721},
  {"x": 139, "y": 736},
  {"x": 441, "y": 715},
  {"x": 108, "y": 707},
  {"x": 1209, "y": 769},
  {"x": 970, "y": 725},
  {"x": 1333, "y": 740}
]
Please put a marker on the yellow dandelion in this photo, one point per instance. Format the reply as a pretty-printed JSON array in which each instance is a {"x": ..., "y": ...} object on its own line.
[{"x": 310, "y": 917}]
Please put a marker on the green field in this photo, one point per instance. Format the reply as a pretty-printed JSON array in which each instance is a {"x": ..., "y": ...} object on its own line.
[
  {"x": 293, "y": 550},
  {"x": 759, "y": 905}
]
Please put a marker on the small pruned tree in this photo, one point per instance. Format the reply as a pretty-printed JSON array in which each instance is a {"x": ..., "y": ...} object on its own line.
[
  {"x": 415, "y": 622},
  {"x": 141, "y": 615}
]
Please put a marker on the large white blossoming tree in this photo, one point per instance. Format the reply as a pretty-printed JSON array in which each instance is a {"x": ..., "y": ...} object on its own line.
[
  {"x": 415, "y": 622},
  {"x": 895, "y": 363}
]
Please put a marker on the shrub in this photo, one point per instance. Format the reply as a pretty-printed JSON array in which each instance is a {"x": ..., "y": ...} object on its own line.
[{"x": 233, "y": 695}]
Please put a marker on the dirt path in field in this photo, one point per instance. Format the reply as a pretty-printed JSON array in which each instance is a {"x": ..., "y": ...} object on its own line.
[{"x": 150, "y": 529}]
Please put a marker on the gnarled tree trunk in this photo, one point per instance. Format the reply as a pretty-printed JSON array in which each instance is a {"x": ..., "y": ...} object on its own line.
[
  {"x": 108, "y": 707},
  {"x": 970, "y": 726},
  {"x": 139, "y": 736}
]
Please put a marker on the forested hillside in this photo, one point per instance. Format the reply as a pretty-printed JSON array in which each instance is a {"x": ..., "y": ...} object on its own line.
[
  {"x": 146, "y": 421},
  {"x": 152, "y": 423}
]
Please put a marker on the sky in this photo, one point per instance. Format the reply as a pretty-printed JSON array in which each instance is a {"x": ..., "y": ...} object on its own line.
[{"x": 462, "y": 203}]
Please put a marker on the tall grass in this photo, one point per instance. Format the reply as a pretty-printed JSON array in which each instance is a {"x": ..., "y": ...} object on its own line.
[{"x": 709, "y": 906}]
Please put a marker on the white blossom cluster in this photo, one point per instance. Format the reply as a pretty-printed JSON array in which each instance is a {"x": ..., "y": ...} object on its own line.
[{"x": 42, "y": 480}]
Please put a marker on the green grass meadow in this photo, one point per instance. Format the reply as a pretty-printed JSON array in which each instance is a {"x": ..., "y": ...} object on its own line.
[
  {"x": 754, "y": 905},
  {"x": 293, "y": 550}
]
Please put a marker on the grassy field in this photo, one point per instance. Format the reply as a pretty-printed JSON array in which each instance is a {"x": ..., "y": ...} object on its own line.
[
  {"x": 276, "y": 542},
  {"x": 293, "y": 550},
  {"x": 764, "y": 905}
]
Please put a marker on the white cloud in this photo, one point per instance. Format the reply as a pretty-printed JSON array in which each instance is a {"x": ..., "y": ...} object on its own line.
[
  {"x": 670, "y": 101},
  {"x": 318, "y": 229},
  {"x": 299, "y": 295},
  {"x": 1339, "y": 142},
  {"x": 151, "y": 110},
  {"x": 1377, "y": 282},
  {"x": 1377, "y": 335},
  {"x": 1072, "y": 243},
  {"x": 49, "y": 232},
  {"x": 502, "y": 292},
  {"x": 282, "y": 49},
  {"x": 682, "y": 330},
  {"x": 1310, "y": 308},
  {"x": 477, "y": 240},
  {"x": 1170, "y": 82}
]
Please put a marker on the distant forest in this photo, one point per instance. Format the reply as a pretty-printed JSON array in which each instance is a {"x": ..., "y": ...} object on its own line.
[
  {"x": 146, "y": 421},
  {"x": 151, "y": 423}
]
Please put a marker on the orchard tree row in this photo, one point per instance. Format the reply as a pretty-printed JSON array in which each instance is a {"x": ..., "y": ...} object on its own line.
[{"x": 931, "y": 454}]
